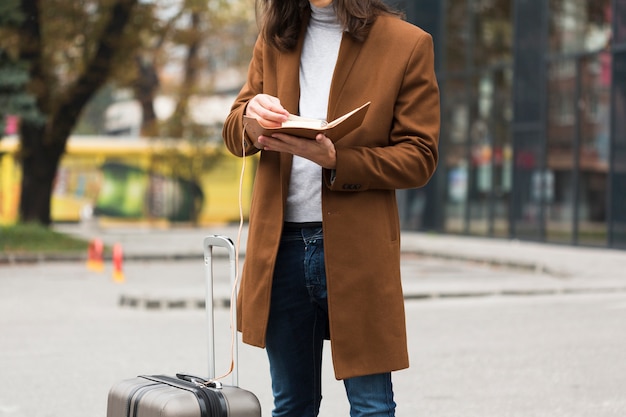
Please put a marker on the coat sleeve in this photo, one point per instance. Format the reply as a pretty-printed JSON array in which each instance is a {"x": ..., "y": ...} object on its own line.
[
  {"x": 411, "y": 155},
  {"x": 233, "y": 130}
]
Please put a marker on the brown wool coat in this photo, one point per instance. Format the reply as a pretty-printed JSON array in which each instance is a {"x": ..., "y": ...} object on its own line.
[{"x": 395, "y": 148}]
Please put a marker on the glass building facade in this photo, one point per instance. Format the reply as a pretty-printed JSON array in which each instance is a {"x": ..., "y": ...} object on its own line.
[{"x": 533, "y": 138}]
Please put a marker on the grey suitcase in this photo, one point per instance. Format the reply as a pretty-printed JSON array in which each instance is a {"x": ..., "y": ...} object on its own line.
[{"x": 185, "y": 395}]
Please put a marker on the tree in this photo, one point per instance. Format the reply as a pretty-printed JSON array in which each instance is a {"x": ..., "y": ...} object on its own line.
[
  {"x": 198, "y": 37},
  {"x": 64, "y": 75},
  {"x": 72, "y": 48},
  {"x": 192, "y": 38},
  {"x": 14, "y": 100}
]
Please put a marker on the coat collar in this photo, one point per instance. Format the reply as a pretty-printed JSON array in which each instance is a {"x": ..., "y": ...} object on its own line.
[{"x": 289, "y": 73}]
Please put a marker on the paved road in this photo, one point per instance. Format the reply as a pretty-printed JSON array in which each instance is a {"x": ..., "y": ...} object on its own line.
[{"x": 65, "y": 340}]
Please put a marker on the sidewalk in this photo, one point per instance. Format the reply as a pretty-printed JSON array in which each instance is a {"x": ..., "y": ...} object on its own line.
[
  {"x": 531, "y": 268},
  {"x": 556, "y": 260},
  {"x": 480, "y": 266}
]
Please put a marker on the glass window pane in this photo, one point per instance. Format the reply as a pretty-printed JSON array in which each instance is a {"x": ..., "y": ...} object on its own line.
[
  {"x": 530, "y": 187},
  {"x": 456, "y": 113},
  {"x": 457, "y": 35},
  {"x": 480, "y": 167},
  {"x": 618, "y": 157},
  {"x": 502, "y": 117},
  {"x": 620, "y": 22},
  {"x": 558, "y": 179},
  {"x": 489, "y": 176},
  {"x": 493, "y": 32},
  {"x": 594, "y": 121},
  {"x": 579, "y": 25}
]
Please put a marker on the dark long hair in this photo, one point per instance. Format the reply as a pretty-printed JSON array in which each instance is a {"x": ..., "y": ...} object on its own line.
[{"x": 281, "y": 20}]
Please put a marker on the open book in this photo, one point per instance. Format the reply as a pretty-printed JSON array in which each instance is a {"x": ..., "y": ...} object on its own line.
[{"x": 309, "y": 128}]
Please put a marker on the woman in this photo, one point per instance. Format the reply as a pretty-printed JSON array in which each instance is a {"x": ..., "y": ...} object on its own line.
[{"x": 323, "y": 255}]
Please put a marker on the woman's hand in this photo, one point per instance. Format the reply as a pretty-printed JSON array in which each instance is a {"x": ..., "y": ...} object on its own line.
[
  {"x": 270, "y": 113},
  {"x": 267, "y": 109},
  {"x": 321, "y": 150}
]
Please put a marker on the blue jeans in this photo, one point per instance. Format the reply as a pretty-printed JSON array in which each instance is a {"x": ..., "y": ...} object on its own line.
[{"x": 298, "y": 325}]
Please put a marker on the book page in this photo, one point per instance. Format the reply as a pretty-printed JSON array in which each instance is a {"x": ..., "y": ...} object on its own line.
[
  {"x": 345, "y": 116},
  {"x": 305, "y": 122}
]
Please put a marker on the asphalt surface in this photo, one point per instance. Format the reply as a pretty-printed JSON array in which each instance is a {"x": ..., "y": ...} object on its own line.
[{"x": 496, "y": 328}]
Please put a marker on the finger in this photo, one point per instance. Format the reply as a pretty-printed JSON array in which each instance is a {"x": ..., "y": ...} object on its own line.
[
  {"x": 273, "y": 104},
  {"x": 282, "y": 143},
  {"x": 268, "y": 108},
  {"x": 270, "y": 143}
]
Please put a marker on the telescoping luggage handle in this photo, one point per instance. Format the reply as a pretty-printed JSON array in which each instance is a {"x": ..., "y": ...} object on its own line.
[{"x": 223, "y": 242}]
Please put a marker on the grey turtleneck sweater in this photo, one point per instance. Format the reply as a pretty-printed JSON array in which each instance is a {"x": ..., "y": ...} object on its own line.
[{"x": 317, "y": 64}]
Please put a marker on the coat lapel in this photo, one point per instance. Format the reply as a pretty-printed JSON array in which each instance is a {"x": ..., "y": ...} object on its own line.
[
  {"x": 288, "y": 67},
  {"x": 289, "y": 94},
  {"x": 348, "y": 52}
]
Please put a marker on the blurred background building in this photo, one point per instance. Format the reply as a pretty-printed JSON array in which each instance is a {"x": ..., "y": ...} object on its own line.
[{"x": 533, "y": 140}]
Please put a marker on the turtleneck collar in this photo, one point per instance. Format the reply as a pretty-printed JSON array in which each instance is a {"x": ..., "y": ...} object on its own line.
[{"x": 324, "y": 17}]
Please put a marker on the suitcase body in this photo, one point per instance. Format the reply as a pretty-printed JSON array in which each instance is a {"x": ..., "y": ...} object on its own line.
[
  {"x": 185, "y": 395},
  {"x": 160, "y": 395}
]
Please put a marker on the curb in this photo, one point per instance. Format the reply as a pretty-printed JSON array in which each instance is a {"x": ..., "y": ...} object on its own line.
[
  {"x": 33, "y": 258},
  {"x": 505, "y": 263},
  {"x": 36, "y": 258},
  {"x": 161, "y": 303},
  {"x": 154, "y": 303}
]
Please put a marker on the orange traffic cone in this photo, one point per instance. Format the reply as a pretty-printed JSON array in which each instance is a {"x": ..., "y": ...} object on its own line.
[
  {"x": 118, "y": 259},
  {"x": 94, "y": 255}
]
